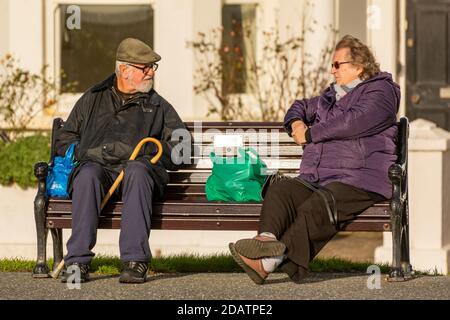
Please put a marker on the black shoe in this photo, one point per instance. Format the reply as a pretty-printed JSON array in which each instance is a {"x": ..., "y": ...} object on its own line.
[
  {"x": 295, "y": 272},
  {"x": 71, "y": 273},
  {"x": 133, "y": 272}
]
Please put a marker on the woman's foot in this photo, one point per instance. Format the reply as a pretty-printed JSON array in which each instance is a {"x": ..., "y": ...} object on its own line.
[
  {"x": 253, "y": 267},
  {"x": 260, "y": 247}
]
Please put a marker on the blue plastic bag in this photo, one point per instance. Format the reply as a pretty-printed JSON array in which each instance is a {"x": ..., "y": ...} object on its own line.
[{"x": 58, "y": 174}]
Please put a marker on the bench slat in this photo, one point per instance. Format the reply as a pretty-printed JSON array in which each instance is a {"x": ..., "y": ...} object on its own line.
[
  {"x": 206, "y": 125},
  {"x": 270, "y": 137},
  {"x": 206, "y": 163},
  {"x": 201, "y": 176},
  {"x": 235, "y": 222},
  {"x": 198, "y": 205},
  {"x": 284, "y": 151}
]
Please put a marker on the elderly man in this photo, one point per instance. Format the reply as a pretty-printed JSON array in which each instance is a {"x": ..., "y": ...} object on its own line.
[
  {"x": 348, "y": 134},
  {"x": 106, "y": 124}
]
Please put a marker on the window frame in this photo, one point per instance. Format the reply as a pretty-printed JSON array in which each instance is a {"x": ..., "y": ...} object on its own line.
[
  {"x": 249, "y": 97},
  {"x": 52, "y": 41}
]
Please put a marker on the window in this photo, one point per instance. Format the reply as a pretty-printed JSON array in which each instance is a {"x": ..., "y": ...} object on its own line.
[
  {"x": 88, "y": 54},
  {"x": 238, "y": 46}
]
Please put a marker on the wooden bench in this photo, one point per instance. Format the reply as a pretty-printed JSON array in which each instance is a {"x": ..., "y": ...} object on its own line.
[{"x": 185, "y": 207}]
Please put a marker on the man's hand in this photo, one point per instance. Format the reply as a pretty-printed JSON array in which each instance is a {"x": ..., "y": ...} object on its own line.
[{"x": 298, "y": 132}]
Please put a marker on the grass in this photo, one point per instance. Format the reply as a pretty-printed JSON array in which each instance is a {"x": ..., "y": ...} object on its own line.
[{"x": 195, "y": 263}]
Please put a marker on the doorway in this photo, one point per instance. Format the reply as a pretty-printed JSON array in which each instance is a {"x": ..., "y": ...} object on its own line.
[{"x": 428, "y": 61}]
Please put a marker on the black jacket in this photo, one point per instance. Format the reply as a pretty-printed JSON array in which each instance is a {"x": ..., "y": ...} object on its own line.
[{"x": 107, "y": 131}]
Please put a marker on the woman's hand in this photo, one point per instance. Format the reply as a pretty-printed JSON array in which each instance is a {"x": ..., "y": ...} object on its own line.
[{"x": 298, "y": 132}]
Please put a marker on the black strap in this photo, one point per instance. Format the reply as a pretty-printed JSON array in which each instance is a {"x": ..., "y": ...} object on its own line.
[
  {"x": 326, "y": 195},
  {"x": 277, "y": 176}
]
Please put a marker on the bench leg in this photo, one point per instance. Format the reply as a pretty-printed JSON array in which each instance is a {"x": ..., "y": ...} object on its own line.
[
  {"x": 405, "y": 261},
  {"x": 401, "y": 268},
  {"x": 41, "y": 270},
  {"x": 396, "y": 273},
  {"x": 57, "y": 247}
]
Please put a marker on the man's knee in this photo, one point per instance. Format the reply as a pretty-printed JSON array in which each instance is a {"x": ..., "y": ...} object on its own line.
[{"x": 136, "y": 172}]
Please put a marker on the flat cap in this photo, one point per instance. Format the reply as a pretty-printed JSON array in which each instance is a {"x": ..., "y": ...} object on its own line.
[{"x": 135, "y": 51}]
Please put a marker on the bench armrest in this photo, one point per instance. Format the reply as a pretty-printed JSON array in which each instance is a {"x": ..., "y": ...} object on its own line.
[
  {"x": 397, "y": 175},
  {"x": 398, "y": 172},
  {"x": 41, "y": 171}
]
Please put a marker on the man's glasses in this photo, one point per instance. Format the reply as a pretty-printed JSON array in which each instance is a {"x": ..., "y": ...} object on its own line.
[
  {"x": 337, "y": 64},
  {"x": 145, "y": 69}
]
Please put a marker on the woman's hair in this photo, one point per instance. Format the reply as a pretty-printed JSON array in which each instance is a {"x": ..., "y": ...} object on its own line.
[{"x": 361, "y": 55}]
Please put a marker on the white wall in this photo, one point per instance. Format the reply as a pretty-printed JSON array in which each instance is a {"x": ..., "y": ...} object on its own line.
[
  {"x": 26, "y": 33},
  {"x": 324, "y": 13},
  {"x": 206, "y": 16},
  {"x": 173, "y": 27},
  {"x": 382, "y": 33},
  {"x": 4, "y": 27}
]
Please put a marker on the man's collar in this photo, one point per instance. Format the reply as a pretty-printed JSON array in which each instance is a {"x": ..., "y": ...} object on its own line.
[{"x": 108, "y": 83}]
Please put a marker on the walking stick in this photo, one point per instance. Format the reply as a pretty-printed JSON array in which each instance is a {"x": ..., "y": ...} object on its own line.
[{"x": 55, "y": 273}]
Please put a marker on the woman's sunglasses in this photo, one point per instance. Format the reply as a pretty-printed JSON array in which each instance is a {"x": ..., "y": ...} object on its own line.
[{"x": 337, "y": 64}]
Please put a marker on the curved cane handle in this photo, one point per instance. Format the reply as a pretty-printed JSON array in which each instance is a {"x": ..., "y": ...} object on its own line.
[
  {"x": 132, "y": 157},
  {"x": 144, "y": 141}
]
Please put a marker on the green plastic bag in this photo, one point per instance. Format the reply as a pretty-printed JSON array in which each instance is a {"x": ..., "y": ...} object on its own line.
[{"x": 237, "y": 178}]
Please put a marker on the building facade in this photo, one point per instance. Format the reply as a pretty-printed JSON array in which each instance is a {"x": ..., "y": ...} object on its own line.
[{"x": 80, "y": 37}]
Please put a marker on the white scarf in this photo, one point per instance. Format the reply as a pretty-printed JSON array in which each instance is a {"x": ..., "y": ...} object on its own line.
[{"x": 342, "y": 90}]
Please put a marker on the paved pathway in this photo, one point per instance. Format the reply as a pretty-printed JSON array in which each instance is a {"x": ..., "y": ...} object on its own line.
[{"x": 224, "y": 286}]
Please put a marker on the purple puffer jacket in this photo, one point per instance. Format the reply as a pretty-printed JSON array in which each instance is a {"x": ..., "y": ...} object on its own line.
[{"x": 353, "y": 139}]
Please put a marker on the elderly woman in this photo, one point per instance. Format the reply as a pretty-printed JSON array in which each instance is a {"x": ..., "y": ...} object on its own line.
[{"x": 349, "y": 138}]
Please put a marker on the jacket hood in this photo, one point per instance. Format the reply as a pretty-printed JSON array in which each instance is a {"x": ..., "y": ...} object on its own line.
[
  {"x": 105, "y": 84},
  {"x": 387, "y": 77},
  {"x": 330, "y": 92}
]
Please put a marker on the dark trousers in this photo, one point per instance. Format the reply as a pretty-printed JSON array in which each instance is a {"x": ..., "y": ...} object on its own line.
[
  {"x": 297, "y": 216},
  {"x": 89, "y": 188}
]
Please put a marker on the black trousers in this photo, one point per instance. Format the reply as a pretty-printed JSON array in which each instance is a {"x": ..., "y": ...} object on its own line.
[{"x": 298, "y": 217}]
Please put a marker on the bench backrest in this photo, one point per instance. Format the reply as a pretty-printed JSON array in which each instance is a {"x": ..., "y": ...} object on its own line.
[{"x": 269, "y": 139}]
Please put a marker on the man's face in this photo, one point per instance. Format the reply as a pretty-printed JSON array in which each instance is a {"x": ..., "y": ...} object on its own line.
[
  {"x": 139, "y": 77},
  {"x": 343, "y": 71}
]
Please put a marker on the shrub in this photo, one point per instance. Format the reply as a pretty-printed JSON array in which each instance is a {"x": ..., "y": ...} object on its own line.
[
  {"x": 24, "y": 94},
  {"x": 17, "y": 159}
]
